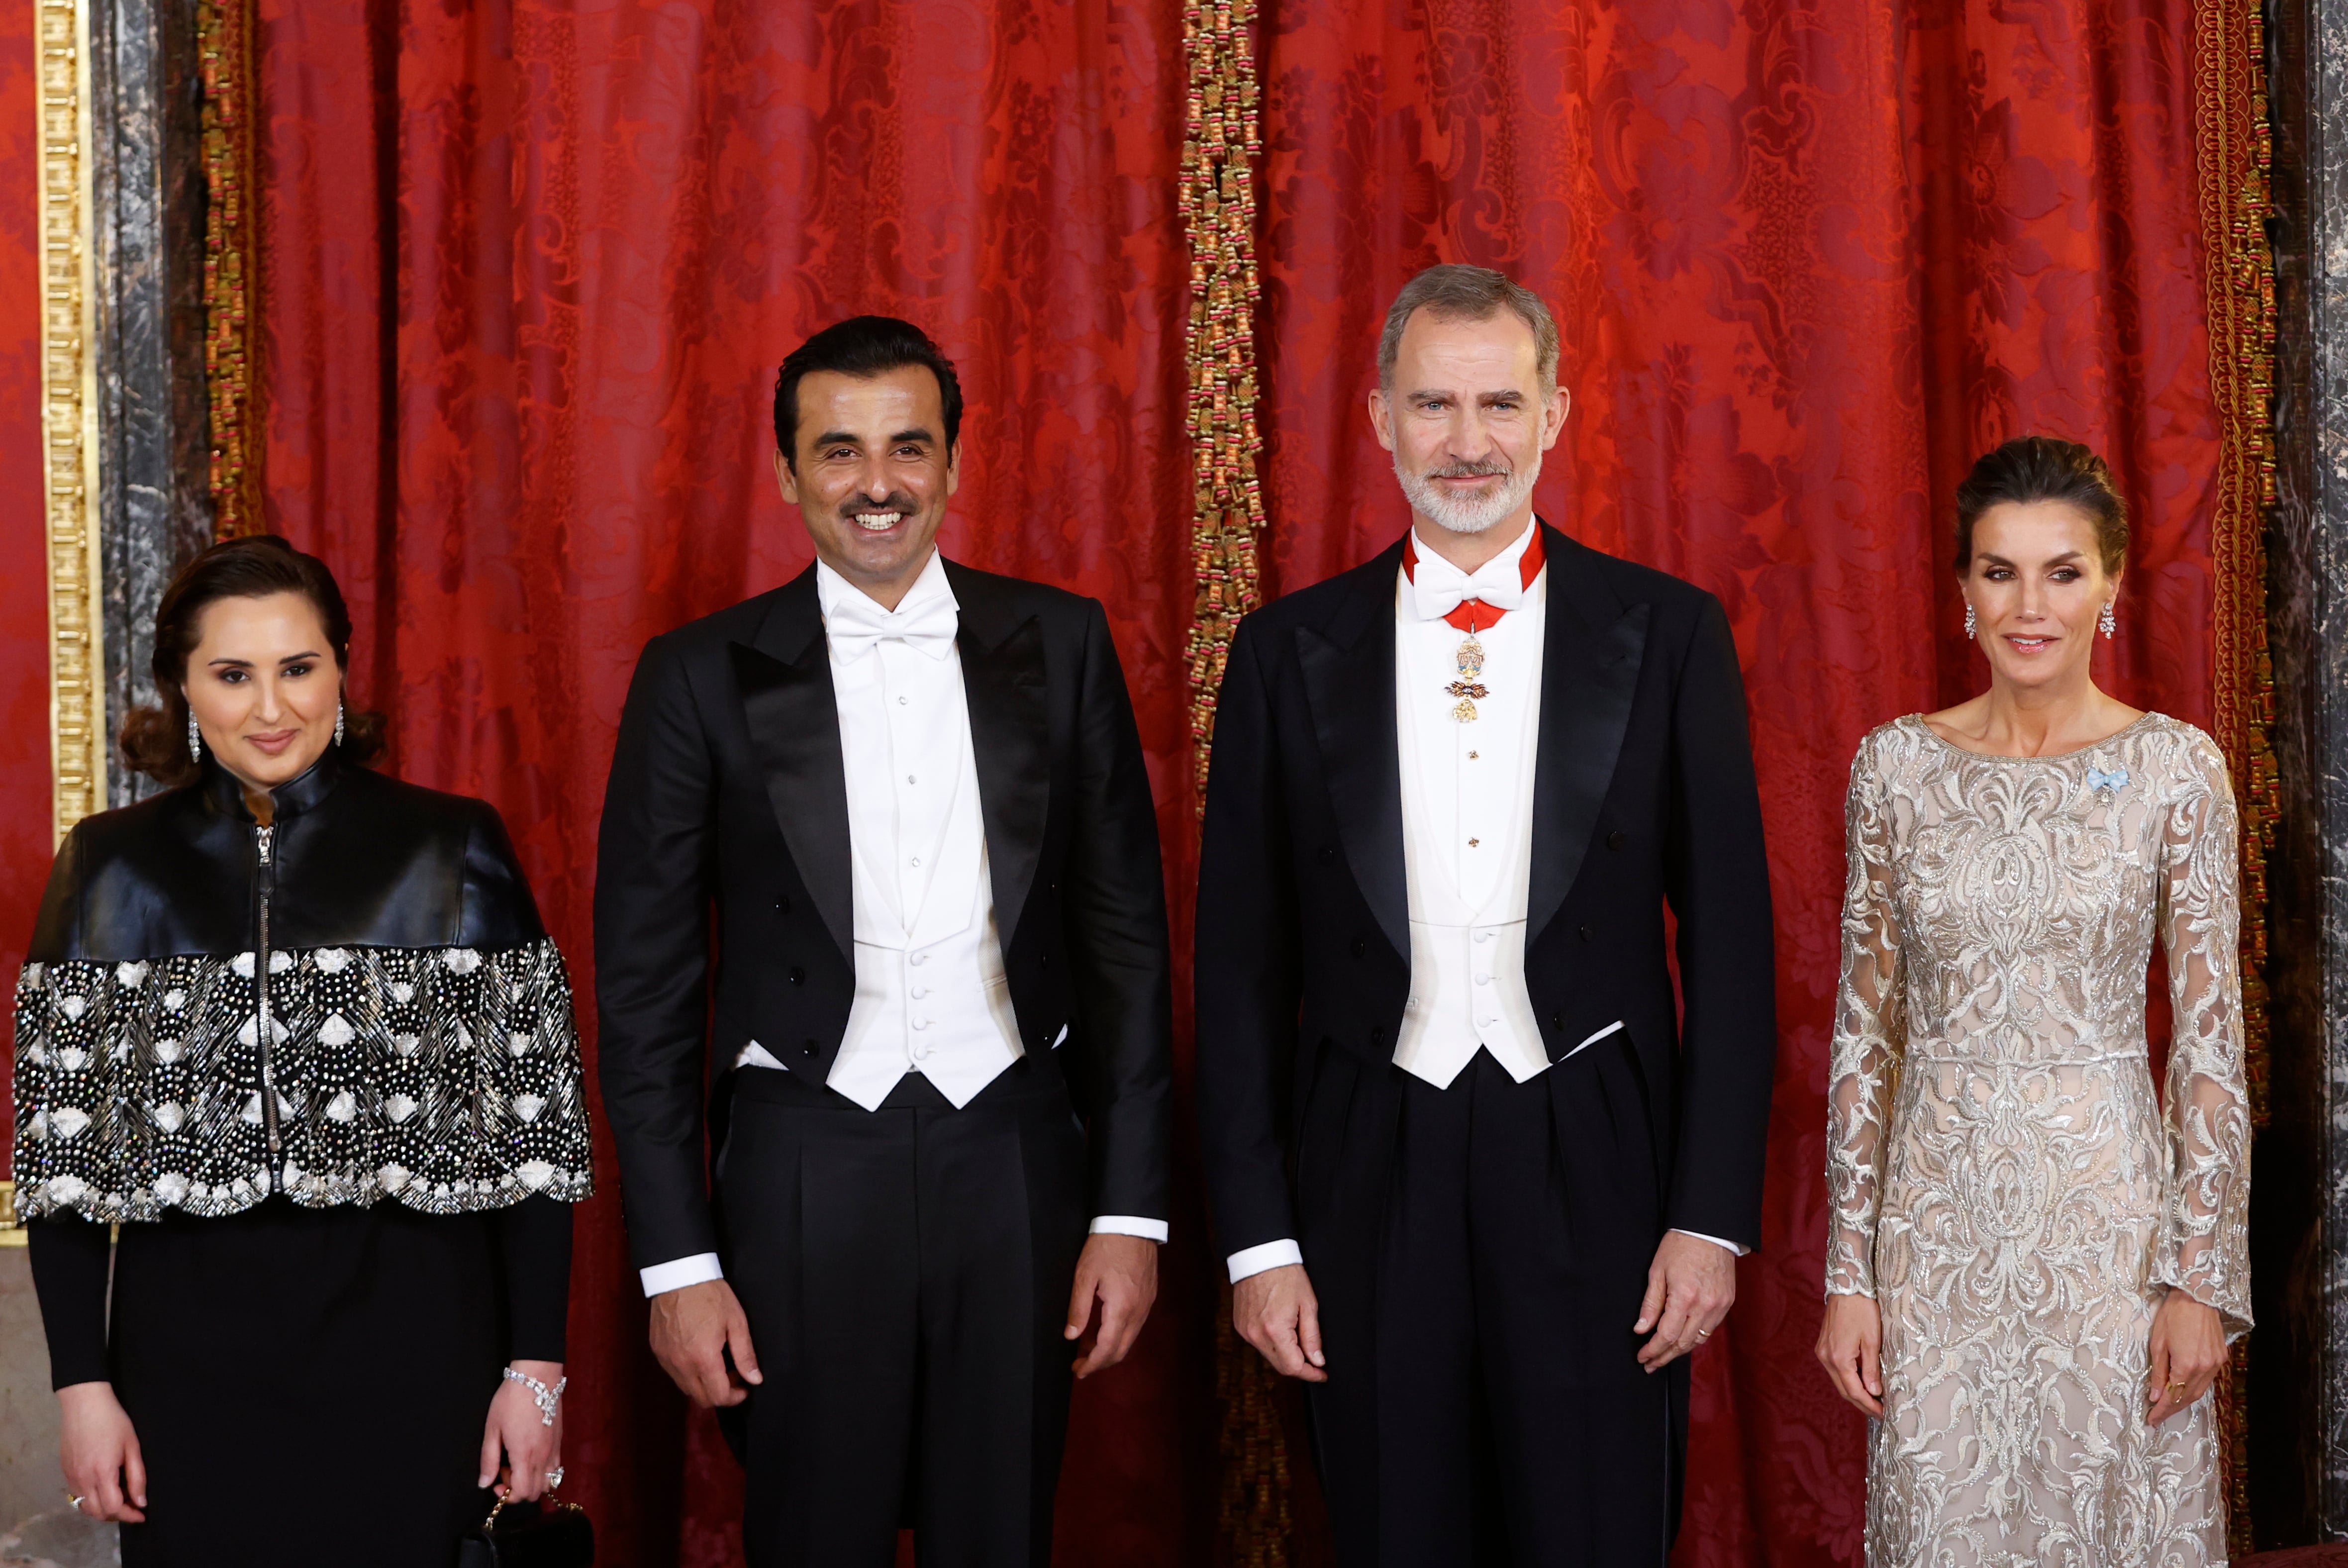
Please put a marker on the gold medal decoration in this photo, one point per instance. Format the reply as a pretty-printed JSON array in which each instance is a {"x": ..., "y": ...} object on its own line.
[{"x": 1470, "y": 664}]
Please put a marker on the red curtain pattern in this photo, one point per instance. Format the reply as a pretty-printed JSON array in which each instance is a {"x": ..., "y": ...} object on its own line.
[
  {"x": 28, "y": 836},
  {"x": 531, "y": 264}
]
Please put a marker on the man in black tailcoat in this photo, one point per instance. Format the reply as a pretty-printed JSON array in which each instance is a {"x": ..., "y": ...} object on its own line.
[
  {"x": 879, "y": 855},
  {"x": 1482, "y": 1177}
]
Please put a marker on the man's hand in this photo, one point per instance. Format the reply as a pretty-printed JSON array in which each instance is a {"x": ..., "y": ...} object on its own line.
[
  {"x": 693, "y": 1329},
  {"x": 1276, "y": 1311},
  {"x": 100, "y": 1454},
  {"x": 1122, "y": 1271},
  {"x": 1691, "y": 1286}
]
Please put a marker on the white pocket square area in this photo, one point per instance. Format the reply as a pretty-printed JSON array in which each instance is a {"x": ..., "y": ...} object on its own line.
[{"x": 1593, "y": 1039}]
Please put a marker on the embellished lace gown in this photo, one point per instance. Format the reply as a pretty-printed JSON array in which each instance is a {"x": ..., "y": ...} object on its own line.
[{"x": 2004, "y": 1180}]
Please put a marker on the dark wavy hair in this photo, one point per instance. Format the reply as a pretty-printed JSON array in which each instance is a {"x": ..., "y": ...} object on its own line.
[
  {"x": 155, "y": 740},
  {"x": 2032, "y": 468},
  {"x": 862, "y": 347}
]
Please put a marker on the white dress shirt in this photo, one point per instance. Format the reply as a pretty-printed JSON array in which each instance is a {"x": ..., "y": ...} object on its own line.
[
  {"x": 1467, "y": 830},
  {"x": 931, "y": 993}
]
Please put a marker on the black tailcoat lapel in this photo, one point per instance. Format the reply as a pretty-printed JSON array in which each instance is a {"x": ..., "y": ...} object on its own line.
[
  {"x": 1592, "y": 648},
  {"x": 784, "y": 677},
  {"x": 1349, "y": 677},
  {"x": 1005, "y": 685}
]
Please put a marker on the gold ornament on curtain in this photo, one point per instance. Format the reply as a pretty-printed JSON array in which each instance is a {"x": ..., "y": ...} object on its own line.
[
  {"x": 1217, "y": 199},
  {"x": 2234, "y": 151},
  {"x": 224, "y": 44}
]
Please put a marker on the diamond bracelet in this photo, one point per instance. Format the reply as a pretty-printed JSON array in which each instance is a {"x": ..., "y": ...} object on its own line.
[{"x": 549, "y": 1400}]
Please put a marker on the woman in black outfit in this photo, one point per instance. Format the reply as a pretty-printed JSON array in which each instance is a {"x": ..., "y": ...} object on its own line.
[{"x": 295, "y": 1027}]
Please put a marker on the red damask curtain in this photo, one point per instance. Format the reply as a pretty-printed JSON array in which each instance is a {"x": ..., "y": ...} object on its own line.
[{"x": 530, "y": 263}]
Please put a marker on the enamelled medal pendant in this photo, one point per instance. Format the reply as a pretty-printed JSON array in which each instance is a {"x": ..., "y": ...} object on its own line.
[{"x": 1470, "y": 664}]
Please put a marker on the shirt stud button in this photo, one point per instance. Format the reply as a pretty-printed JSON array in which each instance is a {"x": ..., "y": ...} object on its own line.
[
  {"x": 919, "y": 992},
  {"x": 1473, "y": 842},
  {"x": 917, "y": 859},
  {"x": 1483, "y": 979},
  {"x": 909, "y": 778},
  {"x": 921, "y": 958},
  {"x": 1472, "y": 755}
]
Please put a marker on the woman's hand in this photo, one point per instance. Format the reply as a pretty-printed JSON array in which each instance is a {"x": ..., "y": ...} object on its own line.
[
  {"x": 1850, "y": 1348},
  {"x": 517, "y": 1431},
  {"x": 2188, "y": 1350},
  {"x": 100, "y": 1454}
]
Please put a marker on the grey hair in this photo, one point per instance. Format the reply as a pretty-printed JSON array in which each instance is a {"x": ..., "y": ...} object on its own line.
[{"x": 1468, "y": 293}]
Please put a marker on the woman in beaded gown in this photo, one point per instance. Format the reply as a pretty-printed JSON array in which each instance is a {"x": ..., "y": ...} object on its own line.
[
  {"x": 294, "y": 1028},
  {"x": 2035, "y": 1260}
]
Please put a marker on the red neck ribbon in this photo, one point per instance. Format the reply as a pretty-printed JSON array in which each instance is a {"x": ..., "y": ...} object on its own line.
[{"x": 1470, "y": 615}]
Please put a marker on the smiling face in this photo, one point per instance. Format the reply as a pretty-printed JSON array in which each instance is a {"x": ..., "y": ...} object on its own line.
[
  {"x": 1468, "y": 420},
  {"x": 2037, "y": 586},
  {"x": 871, "y": 474},
  {"x": 264, "y": 687}
]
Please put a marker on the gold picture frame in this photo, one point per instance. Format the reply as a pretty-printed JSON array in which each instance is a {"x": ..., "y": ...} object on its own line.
[{"x": 70, "y": 417}]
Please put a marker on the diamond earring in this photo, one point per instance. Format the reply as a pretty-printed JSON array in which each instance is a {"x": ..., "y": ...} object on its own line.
[
  {"x": 2109, "y": 623},
  {"x": 1971, "y": 625},
  {"x": 195, "y": 739},
  {"x": 338, "y": 721}
]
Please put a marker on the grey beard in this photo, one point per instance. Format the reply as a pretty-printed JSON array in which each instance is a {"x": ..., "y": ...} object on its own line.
[{"x": 1460, "y": 515}]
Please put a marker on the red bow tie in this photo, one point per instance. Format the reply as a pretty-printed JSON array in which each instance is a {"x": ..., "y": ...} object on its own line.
[{"x": 1470, "y": 616}]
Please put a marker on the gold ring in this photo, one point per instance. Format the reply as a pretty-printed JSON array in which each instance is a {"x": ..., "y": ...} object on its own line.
[
  {"x": 2174, "y": 1388},
  {"x": 1703, "y": 1333}
]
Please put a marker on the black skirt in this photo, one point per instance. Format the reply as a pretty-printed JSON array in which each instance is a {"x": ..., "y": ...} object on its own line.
[{"x": 308, "y": 1386}]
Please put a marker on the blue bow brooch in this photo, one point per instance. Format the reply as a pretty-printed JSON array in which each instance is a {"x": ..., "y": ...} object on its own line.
[{"x": 2105, "y": 783}]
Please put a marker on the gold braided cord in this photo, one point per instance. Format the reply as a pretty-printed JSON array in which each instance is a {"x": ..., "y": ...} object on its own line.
[
  {"x": 2234, "y": 151},
  {"x": 69, "y": 418},
  {"x": 1217, "y": 201},
  {"x": 1216, "y": 197},
  {"x": 224, "y": 37}
]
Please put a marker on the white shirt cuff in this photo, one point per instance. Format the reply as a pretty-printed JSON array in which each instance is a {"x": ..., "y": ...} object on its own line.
[
  {"x": 1271, "y": 1255},
  {"x": 698, "y": 1269},
  {"x": 1715, "y": 1241},
  {"x": 1128, "y": 1225}
]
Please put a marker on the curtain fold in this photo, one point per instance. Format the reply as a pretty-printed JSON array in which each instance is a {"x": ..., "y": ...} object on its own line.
[{"x": 529, "y": 266}]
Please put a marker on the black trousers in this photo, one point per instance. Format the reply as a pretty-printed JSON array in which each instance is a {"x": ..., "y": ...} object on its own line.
[
  {"x": 906, "y": 1274},
  {"x": 1480, "y": 1253}
]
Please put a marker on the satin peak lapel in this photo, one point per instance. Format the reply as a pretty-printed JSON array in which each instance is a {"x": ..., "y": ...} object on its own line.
[
  {"x": 793, "y": 720},
  {"x": 1005, "y": 685},
  {"x": 1592, "y": 648},
  {"x": 1349, "y": 679}
]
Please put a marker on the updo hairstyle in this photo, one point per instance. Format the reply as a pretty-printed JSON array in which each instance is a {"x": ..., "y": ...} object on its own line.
[
  {"x": 155, "y": 740},
  {"x": 2031, "y": 469}
]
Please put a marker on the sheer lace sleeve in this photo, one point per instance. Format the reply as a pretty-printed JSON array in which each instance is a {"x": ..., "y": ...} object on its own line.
[
  {"x": 1869, "y": 1034},
  {"x": 2205, "y": 1242}
]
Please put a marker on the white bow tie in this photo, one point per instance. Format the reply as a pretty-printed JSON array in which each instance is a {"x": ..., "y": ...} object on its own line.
[
  {"x": 856, "y": 623},
  {"x": 1437, "y": 587}
]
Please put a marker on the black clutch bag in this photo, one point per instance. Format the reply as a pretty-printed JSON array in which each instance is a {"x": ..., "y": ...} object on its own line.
[{"x": 530, "y": 1535}]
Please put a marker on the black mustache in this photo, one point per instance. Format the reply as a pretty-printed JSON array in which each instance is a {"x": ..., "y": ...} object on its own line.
[{"x": 896, "y": 501}]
